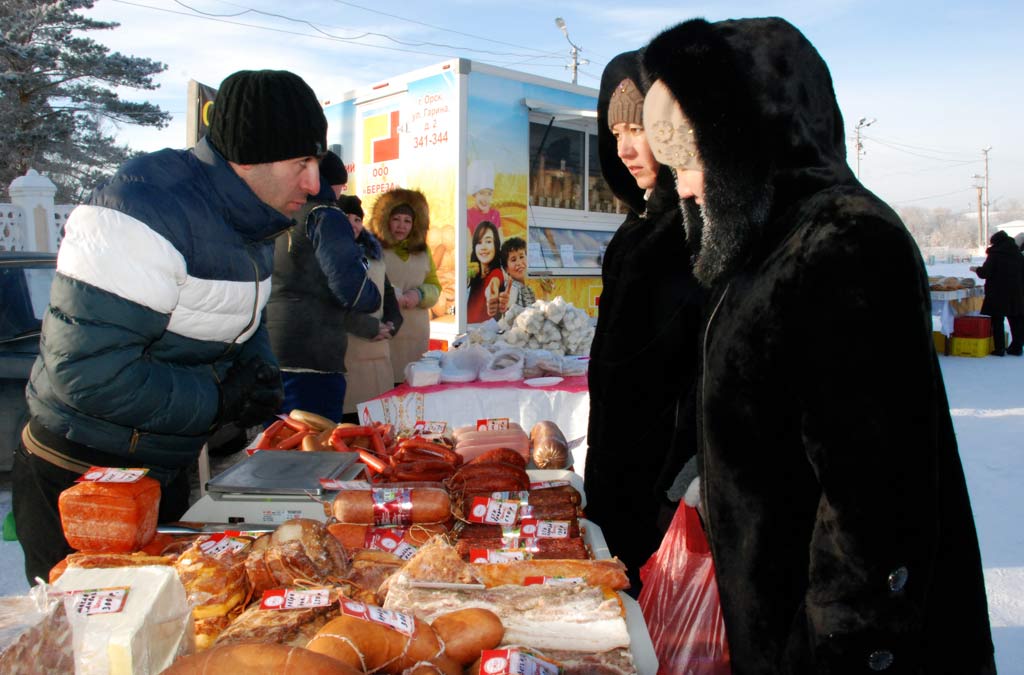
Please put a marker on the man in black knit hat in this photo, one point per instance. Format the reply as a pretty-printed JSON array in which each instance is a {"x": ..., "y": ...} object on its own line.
[{"x": 154, "y": 335}]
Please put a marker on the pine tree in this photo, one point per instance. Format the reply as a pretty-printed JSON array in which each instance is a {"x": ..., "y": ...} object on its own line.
[{"x": 57, "y": 98}]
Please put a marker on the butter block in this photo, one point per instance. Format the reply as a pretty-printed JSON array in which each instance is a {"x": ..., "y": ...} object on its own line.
[{"x": 152, "y": 624}]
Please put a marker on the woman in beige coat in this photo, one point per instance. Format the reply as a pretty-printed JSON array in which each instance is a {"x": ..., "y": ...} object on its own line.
[
  {"x": 368, "y": 356},
  {"x": 400, "y": 220}
]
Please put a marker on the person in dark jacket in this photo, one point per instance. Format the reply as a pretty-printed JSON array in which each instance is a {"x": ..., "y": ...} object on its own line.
[
  {"x": 644, "y": 355},
  {"x": 1003, "y": 272},
  {"x": 154, "y": 335},
  {"x": 368, "y": 357},
  {"x": 319, "y": 279},
  {"x": 833, "y": 495}
]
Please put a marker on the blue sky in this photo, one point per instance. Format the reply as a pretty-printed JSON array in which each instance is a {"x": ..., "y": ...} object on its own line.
[{"x": 942, "y": 80}]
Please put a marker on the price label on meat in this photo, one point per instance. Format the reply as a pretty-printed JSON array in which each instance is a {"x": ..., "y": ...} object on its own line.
[
  {"x": 493, "y": 511},
  {"x": 424, "y": 428},
  {"x": 541, "y": 485},
  {"x": 291, "y": 598},
  {"x": 392, "y": 506},
  {"x": 545, "y": 529},
  {"x": 552, "y": 581},
  {"x": 97, "y": 601},
  {"x": 492, "y": 424},
  {"x": 106, "y": 474},
  {"x": 479, "y": 556},
  {"x": 403, "y": 623},
  {"x": 515, "y": 662},
  {"x": 223, "y": 542}
]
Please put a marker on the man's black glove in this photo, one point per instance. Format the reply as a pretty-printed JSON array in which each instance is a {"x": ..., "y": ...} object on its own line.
[{"x": 250, "y": 393}]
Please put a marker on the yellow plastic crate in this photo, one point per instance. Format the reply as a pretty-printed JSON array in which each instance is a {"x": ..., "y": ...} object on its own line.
[
  {"x": 971, "y": 346},
  {"x": 941, "y": 343}
]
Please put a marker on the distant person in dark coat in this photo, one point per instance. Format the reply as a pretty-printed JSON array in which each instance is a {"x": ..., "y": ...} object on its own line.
[
  {"x": 1003, "y": 272},
  {"x": 643, "y": 361},
  {"x": 833, "y": 495}
]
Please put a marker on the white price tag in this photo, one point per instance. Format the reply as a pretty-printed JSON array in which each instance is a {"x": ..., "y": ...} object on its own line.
[
  {"x": 493, "y": 511},
  {"x": 219, "y": 544},
  {"x": 492, "y": 424},
  {"x": 106, "y": 474},
  {"x": 403, "y": 623},
  {"x": 97, "y": 601},
  {"x": 291, "y": 598}
]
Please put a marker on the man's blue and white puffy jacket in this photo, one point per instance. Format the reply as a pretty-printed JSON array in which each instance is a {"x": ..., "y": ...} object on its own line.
[{"x": 162, "y": 277}]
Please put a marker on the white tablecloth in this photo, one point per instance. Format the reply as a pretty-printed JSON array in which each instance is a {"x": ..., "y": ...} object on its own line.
[{"x": 943, "y": 306}]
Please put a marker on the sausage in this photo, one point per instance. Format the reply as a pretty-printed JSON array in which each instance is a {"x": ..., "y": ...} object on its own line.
[
  {"x": 312, "y": 420},
  {"x": 467, "y": 632},
  {"x": 357, "y": 535},
  {"x": 548, "y": 447},
  {"x": 425, "y": 505},
  {"x": 572, "y": 548},
  {"x": 489, "y": 531},
  {"x": 506, "y": 455},
  {"x": 561, "y": 494},
  {"x": 459, "y": 432},
  {"x": 428, "y": 470},
  {"x": 483, "y": 477}
]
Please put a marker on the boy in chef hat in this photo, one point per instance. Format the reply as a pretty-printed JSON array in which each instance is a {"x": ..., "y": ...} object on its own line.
[{"x": 480, "y": 184}]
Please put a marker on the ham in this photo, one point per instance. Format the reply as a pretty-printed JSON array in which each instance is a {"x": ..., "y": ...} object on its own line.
[{"x": 110, "y": 517}]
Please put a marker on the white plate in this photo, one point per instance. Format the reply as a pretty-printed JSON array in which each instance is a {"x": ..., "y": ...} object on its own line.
[{"x": 542, "y": 381}]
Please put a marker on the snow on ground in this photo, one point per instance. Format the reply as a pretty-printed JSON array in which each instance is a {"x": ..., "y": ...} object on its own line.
[{"x": 986, "y": 399}]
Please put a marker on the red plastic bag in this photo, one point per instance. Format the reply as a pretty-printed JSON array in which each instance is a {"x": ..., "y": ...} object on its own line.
[{"x": 679, "y": 599}]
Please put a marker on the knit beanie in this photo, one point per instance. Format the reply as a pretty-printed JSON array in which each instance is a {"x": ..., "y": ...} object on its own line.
[
  {"x": 626, "y": 104},
  {"x": 351, "y": 204},
  {"x": 262, "y": 116},
  {"x": 332, "y": 169}
]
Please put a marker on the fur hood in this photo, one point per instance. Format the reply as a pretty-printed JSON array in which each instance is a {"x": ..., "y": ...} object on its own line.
[
  {"x": 619, "y": 179},
  {"x": 767, "y": 125},
  {"x": 381, "y": 214}
]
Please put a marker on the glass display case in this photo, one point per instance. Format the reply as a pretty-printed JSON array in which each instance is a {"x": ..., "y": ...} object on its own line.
[{"x": 567, "y": 251}]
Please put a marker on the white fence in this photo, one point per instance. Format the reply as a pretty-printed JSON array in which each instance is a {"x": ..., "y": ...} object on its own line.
[{"x": 32, "y": 222}]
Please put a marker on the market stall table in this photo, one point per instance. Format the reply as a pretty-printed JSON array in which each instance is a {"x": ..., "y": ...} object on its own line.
[
  {"x": 947, "y": 305},
  {"x": 566, "y": 403}
]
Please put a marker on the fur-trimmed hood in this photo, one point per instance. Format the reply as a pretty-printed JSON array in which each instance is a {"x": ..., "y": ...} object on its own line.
[
  {"x": 767, "y": 124},
  {"x": 619, "y": 179},
  {"x": 381, "y": 214}
]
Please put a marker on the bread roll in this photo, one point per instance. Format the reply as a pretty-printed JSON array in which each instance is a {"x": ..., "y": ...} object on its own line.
[
  {"x": 259, "y": 658},
  {"x": 467, "y": 632}
]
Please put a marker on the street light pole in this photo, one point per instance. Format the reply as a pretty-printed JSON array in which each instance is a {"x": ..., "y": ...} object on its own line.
[
  {"x": 984, "y": 151},
  {"x": 575, "y": 50},
  {"x": 858, "y": 146}
]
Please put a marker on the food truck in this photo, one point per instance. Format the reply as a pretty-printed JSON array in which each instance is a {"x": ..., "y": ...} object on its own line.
[{"x": 486, "y": 145}]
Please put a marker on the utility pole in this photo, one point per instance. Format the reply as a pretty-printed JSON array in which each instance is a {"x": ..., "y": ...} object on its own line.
[
  {"x": 575, "y": 50},
  {"x": 982, "y": 228},
  {"x": 984, "y": 151},
  {"x": 858, "y": 146}
]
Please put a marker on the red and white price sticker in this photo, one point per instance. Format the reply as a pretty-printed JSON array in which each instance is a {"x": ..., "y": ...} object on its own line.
[
  {"x": 97, "y": 601},
  {"x": 292, "y": 598},
  {"x": 106, "y": 474},
  {"x": 492, "y": 424},
  {"x": 392, "y": 506},
  {"x": 425, "y": 428},
  {"x": 490, "y": 555},
  {"x": 223, "y": 542},
  {"x": 403, "y": 623},
  {"x": 493, "y": 511},
  {"x": 515, "y": 662},
  {"x": 389, "y": 539},
  {"x": 544, "y": 529},
  {"x": 552, "y": 581}
]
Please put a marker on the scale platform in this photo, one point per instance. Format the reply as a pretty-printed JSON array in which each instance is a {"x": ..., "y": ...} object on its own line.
[{"x": 272, "y": 487}]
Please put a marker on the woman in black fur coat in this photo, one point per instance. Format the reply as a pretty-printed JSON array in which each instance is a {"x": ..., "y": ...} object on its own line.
[
  {"x": 834, "y": 498},
  {"x": 1003, "y": 273},
  {"x": 644, "y": 355}
]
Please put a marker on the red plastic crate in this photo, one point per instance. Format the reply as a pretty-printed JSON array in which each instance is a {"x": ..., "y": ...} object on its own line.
[{"x": 972, "y": 326}]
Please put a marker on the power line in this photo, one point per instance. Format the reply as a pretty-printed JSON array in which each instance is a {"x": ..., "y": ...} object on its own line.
[
  {"x": 284, "y": 31},
  {"x": 917, "y": 147},
  {"x": 919, "y": 199},
  {"x": 355, "y": 38},
  {"x": 892, "y": 146}
]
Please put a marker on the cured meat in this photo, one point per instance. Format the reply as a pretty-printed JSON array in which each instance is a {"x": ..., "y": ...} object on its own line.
[
  {"x": 110, "y": 517},
  {"x": 539, "y": 549},
  {"x": 393, "y": 506},
  {"x": 294, "y": 627}
]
